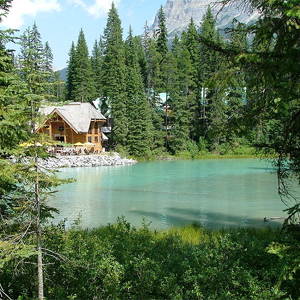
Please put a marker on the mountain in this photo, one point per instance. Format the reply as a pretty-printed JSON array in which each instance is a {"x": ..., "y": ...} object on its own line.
[
  {"x": 63, "y": 74},
  {"x": 178, "y": 15}
]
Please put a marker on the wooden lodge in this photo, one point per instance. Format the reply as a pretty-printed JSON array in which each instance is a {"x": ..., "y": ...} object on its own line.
[{"x": 75, "y": 123}]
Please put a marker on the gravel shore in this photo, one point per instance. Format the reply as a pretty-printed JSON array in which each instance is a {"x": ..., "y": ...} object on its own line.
[{"x": 85, "y": 161}]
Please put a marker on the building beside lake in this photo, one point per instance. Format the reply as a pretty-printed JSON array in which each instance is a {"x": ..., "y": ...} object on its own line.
[{"x": 74, "y": 123}]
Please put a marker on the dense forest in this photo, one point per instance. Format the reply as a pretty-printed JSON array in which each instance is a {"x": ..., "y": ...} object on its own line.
[
  {"x": 159, "y": 98},
  {"x": 207, "y": 92}
]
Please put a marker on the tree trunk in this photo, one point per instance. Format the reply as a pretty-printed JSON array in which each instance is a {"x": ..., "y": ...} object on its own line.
[{"x": 38, "y": 231}]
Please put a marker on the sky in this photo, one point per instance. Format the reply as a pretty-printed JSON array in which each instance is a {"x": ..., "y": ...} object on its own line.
[{"x": 59, "y": 21}]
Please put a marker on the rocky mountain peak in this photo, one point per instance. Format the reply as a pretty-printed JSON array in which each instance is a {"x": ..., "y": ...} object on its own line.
[{"x": 178, "y": 15}]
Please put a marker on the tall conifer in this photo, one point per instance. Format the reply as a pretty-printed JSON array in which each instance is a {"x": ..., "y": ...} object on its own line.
[
  {"x": 138, "y": 109},
  {"x": 161, "y": 37},
  {"x": 182, "y": 95},
  {"x": 152, "y": 82},
  {"x": 114, "y": 76},
  {"x": 208, "y": 65},
  {"x": 70, "y": 73},
  {"x": 96, "y": 63},
  {"x": 84, "y": 86},
  {"x": 190, "y": 41}
]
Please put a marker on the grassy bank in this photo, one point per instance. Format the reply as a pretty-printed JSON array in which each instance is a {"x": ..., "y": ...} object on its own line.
[{"x": 122, "y": 262}]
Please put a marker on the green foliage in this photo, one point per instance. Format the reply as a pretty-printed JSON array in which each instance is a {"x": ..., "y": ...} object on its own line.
[
  {"x": 140, "y": 137},
  {"x": 271, "y": 73},
  {"x": 80, "y": 82},
  {"x": 114, "y": 76},
  {"x": 24, "y": 187},
  {"x": 119, "y": 261}
]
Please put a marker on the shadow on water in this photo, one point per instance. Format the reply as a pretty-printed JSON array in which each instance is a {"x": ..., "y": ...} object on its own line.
[
  {"x": 266, "y": 169},
  {"x": 178, "y": 217}
]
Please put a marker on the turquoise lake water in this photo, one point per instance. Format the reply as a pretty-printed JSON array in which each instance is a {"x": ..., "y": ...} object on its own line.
[{"x": 213, "y": 193}]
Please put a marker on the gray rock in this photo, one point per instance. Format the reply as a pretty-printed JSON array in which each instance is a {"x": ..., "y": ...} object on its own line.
[
  {"x": 178, "y": 14},
  {"x": 84, "y": 161}
]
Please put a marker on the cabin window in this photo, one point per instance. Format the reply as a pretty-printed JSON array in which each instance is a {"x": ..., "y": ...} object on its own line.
[
  {"x": 61, "y": 128},
  {"x": 89, "y": 139},
  {"x": 90, "y": 129},
  {"x": 96, "y": 128},
  {"x": 96, "y": 139}
]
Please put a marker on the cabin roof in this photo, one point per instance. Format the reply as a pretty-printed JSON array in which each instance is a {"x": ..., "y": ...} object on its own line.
[{"x": 78, "y": 115}]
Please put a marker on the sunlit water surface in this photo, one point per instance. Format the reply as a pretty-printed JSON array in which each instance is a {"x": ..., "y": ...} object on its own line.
[{"x": 213, "y": 193}]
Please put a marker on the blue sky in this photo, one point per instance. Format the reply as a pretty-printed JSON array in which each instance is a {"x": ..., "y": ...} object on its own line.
[{"x": 59, "y": 21}]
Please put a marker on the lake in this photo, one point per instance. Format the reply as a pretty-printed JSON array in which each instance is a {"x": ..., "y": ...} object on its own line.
[{"x": 213, "y": 193}]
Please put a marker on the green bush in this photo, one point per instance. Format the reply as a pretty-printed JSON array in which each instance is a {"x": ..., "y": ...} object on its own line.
[{"x": 119, "y": 261}]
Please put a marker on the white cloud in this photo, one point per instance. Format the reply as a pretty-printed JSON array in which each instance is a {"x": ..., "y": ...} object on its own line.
[
  {"x": 98, "y": 9},
  {"x": 77, "y": 3},
  {"x": 22, "y": 8}
]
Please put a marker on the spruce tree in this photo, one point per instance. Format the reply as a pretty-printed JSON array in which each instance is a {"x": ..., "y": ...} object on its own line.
[
  {"x": 58, "y": 87},
  {"x": 152, "y": 82},
  {"x": 161, "y": 38},
  {"x": 182, "y": 95},
  {"x": 138, "y": 109},
  {"x": 48, "y": 66},
  {"x": 114, "y": 76},
  {"x": 162, "y": 34},
  {"x": 70, "y": 73},
  {"x": 83, "y": 80},
  {"x": 211, "y": 101},
  {"x": 24, "y": 185},
  {"x": 190, "y": 40},
  {"x": 96, "y": 63}
]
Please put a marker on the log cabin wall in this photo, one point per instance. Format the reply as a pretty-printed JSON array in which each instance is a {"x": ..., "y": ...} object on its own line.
[{"x": 60, "y": 131}]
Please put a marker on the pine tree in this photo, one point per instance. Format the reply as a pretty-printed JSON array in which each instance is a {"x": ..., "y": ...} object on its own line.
[
  {"x": 138, "y": 109},
  {"x": 114, "y": 76},
  {"x": 83, "y": 80}
]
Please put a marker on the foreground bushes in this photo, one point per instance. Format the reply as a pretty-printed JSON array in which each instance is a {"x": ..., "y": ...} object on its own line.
[{"x": 122, "y": 262}]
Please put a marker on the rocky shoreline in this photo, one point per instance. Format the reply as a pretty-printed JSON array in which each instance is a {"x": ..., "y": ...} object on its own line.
[{"x": 85, "y": 161}]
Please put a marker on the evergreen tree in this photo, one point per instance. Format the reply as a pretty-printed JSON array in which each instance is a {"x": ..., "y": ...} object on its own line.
[
  {"x": 114, "y": 76},
  {"x": 236, "y": 93},
  {"x": 48, "y": 60},
  {"x": 190, "y": 40},
  {"x": 161, "y": 34},
  {"x": 162, "y": 49},
  {"x": 182, "y": 95},
  {"x": 23, "y": 186},
  {"x": 96, "y": 63},
  {"x": 272, "y": 69},
  {"x": 151, "y": 81},
  {"x": 83, "y": 80},
  {"x": 70, "y": 73},
  {"x": 138, "y": 109},
  {"x": 58, "y": 87},
  {"x": 31, "y": 61},
  {"x": 211, "y": 108}
]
